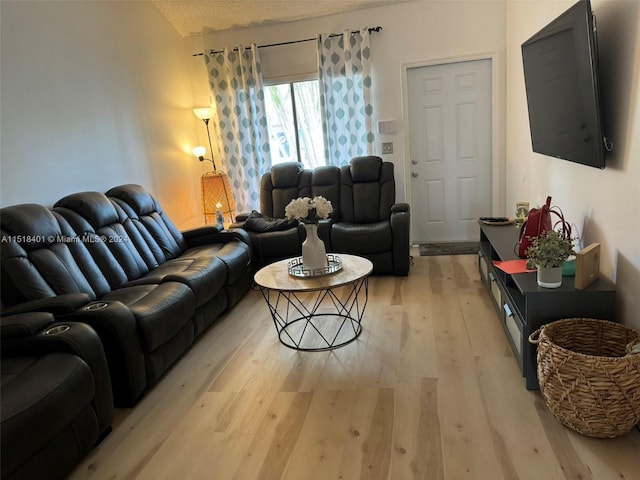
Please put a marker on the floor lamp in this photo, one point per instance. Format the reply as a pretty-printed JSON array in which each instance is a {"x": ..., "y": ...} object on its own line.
[{"x": 215, "y": 187}]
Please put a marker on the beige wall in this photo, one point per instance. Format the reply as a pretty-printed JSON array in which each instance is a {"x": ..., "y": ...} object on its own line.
[
  {"x": 604, "y": 205},
  {"x": 95, "y": 94},
  {"x": 413, "y": 33}
]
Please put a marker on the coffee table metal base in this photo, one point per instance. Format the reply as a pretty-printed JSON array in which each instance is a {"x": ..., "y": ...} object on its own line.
[{"x": 318, "y": 320}]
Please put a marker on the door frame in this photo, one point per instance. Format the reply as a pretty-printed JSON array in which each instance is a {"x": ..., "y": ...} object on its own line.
[{"x": 498, "y": 114}]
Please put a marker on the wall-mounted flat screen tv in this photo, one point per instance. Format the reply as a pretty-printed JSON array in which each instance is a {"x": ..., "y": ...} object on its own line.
[{"x": 561, "y": 80}]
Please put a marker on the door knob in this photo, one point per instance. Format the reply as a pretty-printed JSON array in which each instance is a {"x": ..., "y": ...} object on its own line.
[
  {"x": 414, "y": 174},
  {"x": 414, "y": 162}
]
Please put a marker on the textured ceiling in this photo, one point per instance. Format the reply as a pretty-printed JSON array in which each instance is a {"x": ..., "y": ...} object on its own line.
[{"x": 195, "y": 17}]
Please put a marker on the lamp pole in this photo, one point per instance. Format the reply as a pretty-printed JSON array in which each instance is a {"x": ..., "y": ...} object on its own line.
[{"x": 206, "y": 122}]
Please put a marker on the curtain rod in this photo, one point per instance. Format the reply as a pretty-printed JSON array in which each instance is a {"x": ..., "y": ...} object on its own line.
[{"x": 371, "y": 30}]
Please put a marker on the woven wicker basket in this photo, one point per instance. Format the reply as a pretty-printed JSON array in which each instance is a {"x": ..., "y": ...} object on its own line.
[{"x": 588, "y": 376}]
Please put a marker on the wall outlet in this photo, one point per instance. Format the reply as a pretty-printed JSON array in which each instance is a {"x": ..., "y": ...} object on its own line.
[{"x": 387, "y": 147}]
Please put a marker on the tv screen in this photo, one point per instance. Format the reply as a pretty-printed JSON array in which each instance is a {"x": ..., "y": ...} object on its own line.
[{"x": 561, "y": 80}]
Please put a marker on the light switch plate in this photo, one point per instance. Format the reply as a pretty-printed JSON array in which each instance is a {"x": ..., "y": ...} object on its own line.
[
  {"x": 387, "y": 147},
  {"x": 387, "y": 126}
]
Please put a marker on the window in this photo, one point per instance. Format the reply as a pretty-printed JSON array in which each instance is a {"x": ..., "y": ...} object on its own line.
[{"x": 295, "y": 127}]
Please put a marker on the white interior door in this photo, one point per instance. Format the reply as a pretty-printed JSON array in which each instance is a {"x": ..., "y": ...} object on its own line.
[{"x": 450, "y": 149}]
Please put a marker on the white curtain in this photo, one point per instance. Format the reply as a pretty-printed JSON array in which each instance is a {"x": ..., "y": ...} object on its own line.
[
  {"x": 240, "y": 124},
  {"x": 344, "y": 68}
]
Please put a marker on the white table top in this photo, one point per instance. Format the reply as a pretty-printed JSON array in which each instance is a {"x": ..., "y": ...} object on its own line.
[{"x": 276, "y": 275}]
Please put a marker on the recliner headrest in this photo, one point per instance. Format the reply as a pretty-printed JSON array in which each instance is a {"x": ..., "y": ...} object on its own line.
[
  {"x": 136, "y": 196},
  {"x": 29, "y": 224},
  {"x": 286, "y": 175},
  {"x": 365, "y": 169},
  {"x": 94, "y": 207},
  {"x": 325, "y": 175}
]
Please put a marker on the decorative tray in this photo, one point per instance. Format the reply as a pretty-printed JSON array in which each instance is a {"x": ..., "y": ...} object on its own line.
[
  {"x": 297, "y": 269},
  {"x": 497, "y": 220}
]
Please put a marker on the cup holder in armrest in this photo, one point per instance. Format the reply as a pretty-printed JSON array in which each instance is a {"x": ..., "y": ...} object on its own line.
[
  {"x": 57, "y": 330},
  {"x": 96, "y": 306}
]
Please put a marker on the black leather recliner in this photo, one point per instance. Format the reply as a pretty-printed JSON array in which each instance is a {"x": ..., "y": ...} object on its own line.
[
  {"x": 371, "y": 224},
  {"x": 365, "y": 221},
  {"x": 56, "y": 395}
]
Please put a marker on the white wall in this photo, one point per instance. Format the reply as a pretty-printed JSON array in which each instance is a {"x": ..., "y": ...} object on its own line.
[
  {"x": 413, "y": 33},
  {"x": 96, "y": 94},
  {"x": 100, "y": 93},
  {"x": 603, "y": 204}
]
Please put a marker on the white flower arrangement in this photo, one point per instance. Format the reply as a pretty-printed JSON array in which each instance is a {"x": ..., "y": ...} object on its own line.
[{"x": 308, "y": 210}]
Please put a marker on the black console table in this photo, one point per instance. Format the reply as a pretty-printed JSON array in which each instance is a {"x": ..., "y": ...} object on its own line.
[{"x": 523, "y": 306}]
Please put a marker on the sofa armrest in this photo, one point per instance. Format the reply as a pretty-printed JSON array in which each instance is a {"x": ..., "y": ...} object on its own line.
[
  {"x": 399, "y": 207},
  {"x": 241, "y": 217},
  {"x": 24, "y": 325},
  {"x": 400, "y": 230},
  {"x": 67, "y": 303},
  {"x": 118, "y": 331},
  {"x": 195, "y": 233},
  {"x": 240, "y": 220},
  {"x": 238, "y": 234},
  {"x": 222, "y": 236}
]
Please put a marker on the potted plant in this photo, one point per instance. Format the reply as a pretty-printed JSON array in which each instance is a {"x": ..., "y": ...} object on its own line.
[{"x": 548, "y": 253}]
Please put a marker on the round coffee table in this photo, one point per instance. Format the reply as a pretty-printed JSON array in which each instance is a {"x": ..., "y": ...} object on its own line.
[{"x": 317, "y": 313}]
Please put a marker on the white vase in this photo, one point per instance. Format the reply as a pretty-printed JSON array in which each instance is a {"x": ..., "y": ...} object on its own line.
[
  {"x": 549, "y": 277},
  {"x": 314, "y": 254}
]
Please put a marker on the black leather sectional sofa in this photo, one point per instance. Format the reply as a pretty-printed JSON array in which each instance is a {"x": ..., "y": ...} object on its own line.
[{"x": 116, "y": 262}]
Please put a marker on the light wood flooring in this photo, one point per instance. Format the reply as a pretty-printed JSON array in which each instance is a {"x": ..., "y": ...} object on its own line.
[{"x": 430, "y": 390}]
